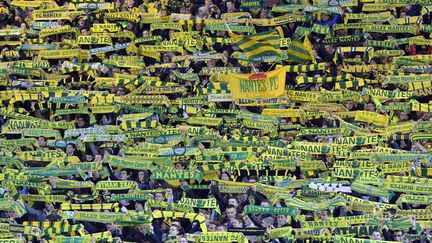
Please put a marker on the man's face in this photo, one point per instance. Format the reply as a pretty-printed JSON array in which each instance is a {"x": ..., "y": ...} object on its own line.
[
  {"x": 237, "y": 224},
  {"x": 242, "y": 197},
  {"x": 281, "y": 219},
  {"x": 124, "y": 175},
  {"x": 111, "y": 226},
  {"x": 265, "y": 224},
  {"x": 143, "y": 229},
  {"x": 130, "y": 3},
  {"x": 166, "y": 58},
  {"x": 403, "y": 116},
  {"x": 376, "y": 235},
  {"x": 159, "y": 197},
  {"x": 324, "y": 215},
  {"x": 42, "y": 142},
  {"x": 265, "y": 204},
  {"x": 121, "y": 91},
  {"x": 325, "y": 17},
  {"x": 370, "y": 107},
  {"x": 231, "y": 213},
  {"x": 211, "y": 63},
  {"x": 230, "y": 6},
  {"x": 85, "y": 32},
  {"x": 81, "y": 21},
  {"x": 221, "y": 229},
  {"x": 173, "y": 230},
  {"x": 11, "y": 214},
  {"x": 398, "y": 236},
  {"x": 211, "y": 227},
  {"x": 349, "y": 105},
  {"x": 426, "y": 116},
  {"x": 89, "y": 157},
  {"x": 80, "y": 122},
  {"x": 233, "y": 202},
  {"x": 139, "y": 207}
]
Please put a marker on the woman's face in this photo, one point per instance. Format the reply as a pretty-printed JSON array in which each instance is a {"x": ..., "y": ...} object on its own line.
[
  {"x": 141, "y": 176},
  {"x": 139, "y": 207},
  {"x": 179, "y": 166},
  {"x": 403, "y": 116},
  {"x": 224, "y": 177},
  {"x": 104, "y": 119},
  {"x": 70, "y": 149},
  {"x": 48, "y": 206},
  {"x": 81, "y": 22}
]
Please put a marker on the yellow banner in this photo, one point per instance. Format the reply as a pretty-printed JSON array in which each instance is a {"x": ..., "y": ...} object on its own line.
[{"x": 261, "y": 85}]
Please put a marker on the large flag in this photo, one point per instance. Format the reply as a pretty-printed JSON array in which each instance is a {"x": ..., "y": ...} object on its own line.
[
  {"x": 298, "y": 51},
  {"x": 261, "y": 47}
]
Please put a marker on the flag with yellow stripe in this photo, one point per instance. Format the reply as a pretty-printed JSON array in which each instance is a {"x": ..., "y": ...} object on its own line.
[
  {"x": 298, "y": 52},
  {"x": 308, "y": 46},
  {"x": 261, "y": 47}
]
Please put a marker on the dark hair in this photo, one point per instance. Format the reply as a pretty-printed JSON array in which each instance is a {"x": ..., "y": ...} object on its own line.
[{"x": 231, "y": 206}]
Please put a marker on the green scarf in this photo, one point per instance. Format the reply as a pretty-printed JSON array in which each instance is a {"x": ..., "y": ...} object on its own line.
[
  {"x": 200, "y": 203},
  {"x": 176, "y": 175},
  {"x": 128, "y": 163},
  {"x": 260, "y": 210}
]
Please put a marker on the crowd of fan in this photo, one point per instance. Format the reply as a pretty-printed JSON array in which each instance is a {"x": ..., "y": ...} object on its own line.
[{"x": 231, "y": 204}]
